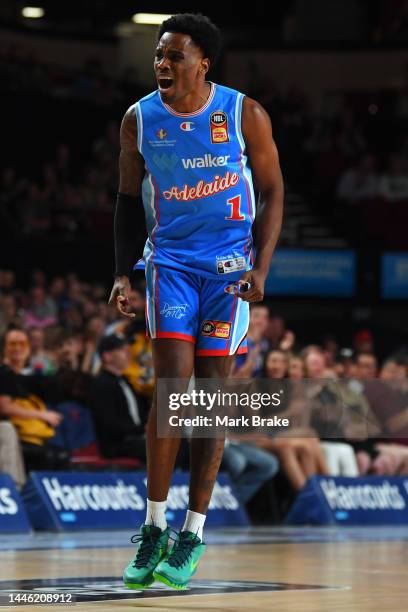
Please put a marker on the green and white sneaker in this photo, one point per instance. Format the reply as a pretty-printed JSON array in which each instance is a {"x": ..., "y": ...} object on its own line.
[
  {"x": 181, "y": 562},
  {"x": 152, "y": 548}
]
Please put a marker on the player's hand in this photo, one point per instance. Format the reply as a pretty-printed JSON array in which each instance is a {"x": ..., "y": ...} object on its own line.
[
  {"x": 288, "y": 341},
  {"x": 120, "y": 296},
  {"x": 255, "y": 293}
]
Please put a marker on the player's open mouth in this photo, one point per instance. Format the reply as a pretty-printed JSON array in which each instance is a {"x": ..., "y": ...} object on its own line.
[{"x": 165, "y": 83}]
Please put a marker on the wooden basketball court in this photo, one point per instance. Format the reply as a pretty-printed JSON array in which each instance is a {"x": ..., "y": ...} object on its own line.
[{"x": 291, "y": 569}]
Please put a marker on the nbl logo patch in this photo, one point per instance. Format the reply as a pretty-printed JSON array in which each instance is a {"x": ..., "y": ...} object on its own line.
[
  {"x": 219, "y": 127},
  {"x": 216, "y": 329}
]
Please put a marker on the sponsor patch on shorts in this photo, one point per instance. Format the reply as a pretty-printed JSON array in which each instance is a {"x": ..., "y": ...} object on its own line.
[
  {"x": 216, "y": 329},
  {"x": 225, "y": 266}
]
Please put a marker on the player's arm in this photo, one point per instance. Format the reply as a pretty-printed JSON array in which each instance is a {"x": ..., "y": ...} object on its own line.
[
  {"x": 264, "y": 161},
  {"x": 128, "y": 211}
]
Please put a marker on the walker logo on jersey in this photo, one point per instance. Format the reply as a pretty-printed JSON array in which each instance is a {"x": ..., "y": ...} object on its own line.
[
  {"x": 165, "y": 162},
  {"x": 225, "y": 266},
  {"x": 187, "y": 126},
  {"x": 216, "y": 329},
  {"x": 208, "y": 161},
  {"x": 219, "y": 127},
  {"x": 203, "y": 189},
  {"x": 174, "y": 312},
  {"x": 161, "y": 134}
]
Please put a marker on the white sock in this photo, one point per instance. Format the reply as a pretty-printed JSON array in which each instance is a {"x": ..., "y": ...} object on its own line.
[
  {"x": 194, "y": 522},
  {"x": 156, "y": 514}
]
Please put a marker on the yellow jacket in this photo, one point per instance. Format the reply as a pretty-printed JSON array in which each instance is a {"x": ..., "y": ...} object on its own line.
[{"x": 33, "y": 430}]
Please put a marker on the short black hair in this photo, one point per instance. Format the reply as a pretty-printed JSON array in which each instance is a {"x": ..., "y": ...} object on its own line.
[{"x": 203, "y": 32}]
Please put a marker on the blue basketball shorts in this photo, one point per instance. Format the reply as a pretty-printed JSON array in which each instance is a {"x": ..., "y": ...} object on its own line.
[{"x": 186, "y": 306}]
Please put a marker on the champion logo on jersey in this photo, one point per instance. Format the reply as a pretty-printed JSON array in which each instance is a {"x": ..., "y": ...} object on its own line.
[{"x": 187, "y": 126}]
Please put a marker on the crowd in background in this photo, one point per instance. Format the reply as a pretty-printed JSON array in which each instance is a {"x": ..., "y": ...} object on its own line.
[
  {"x": 75, "y": 376},
  {"x": 76, "y": 381},
  {"x": 62, "y": 198},
  {"x": 351, "y": 147}
]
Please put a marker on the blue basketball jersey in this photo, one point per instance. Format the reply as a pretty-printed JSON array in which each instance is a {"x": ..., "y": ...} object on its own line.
[{"x": 197, "y": 189}]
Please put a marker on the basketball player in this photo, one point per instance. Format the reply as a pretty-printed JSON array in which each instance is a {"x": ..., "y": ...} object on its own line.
[{"x": 189, "y": 151}]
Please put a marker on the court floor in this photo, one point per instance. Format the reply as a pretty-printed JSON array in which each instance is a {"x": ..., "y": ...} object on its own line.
[{"x": 279, "y": 569}]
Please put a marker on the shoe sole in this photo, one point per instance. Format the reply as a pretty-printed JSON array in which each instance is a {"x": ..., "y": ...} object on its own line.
[
  {"x": 133, "y": 585},
  {"x": 170, "y": 583}
]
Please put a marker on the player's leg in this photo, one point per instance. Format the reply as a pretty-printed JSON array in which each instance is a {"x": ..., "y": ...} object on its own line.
[
  {"x": 172, "y": 319},
  {"x": 171, "y": 359},
  {"x": 205, "y": 453},
  {"x": 224, "y": 320},
  {"x": 223, "y": 325},
  {"x": 205, "y": 459}
]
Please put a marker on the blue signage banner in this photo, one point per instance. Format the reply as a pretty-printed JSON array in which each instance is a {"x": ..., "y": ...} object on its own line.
[
  {"x": 13, "y": 517},
  {"x": 394, "y": 276},
  {"x": 224, "y": 509},
  {"x": 312, "y": 273},
  {"x": 372, "y": 500},
  {"x": 67, "y": 501}
]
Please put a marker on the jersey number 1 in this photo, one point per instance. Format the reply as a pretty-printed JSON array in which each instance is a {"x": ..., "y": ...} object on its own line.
[{"x": 235, "y": 204}]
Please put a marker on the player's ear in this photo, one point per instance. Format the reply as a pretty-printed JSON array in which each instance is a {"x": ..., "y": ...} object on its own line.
[{"x": 205, "y": 65}]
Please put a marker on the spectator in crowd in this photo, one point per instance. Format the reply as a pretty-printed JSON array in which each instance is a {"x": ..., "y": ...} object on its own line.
[
  {"x": 299, "y": 452},
  {"x": 278, "y": 336},
  {"x": 387, "y": 453},
  {"x": 367, "y": 366},
  {"x": 119, "y": 414},
  {"x": 316, "y": 365},
  {"x": 140, "y": 372},
  {"x": 9, "y": 315},
  {"x": 276, "y": 364},
  {"x": 330, "y": 349},
  {"x": 363, "y": 341},
  {"x": 41, "y": 360},
  {"x": 17, "y": 351},
  {"x": 251, "y": 364},
  {"x": 28, "y": 412},
  {"x": 359, "y": 183},
  {"x": 394, "y": 370},
  {"x": 41, "y": 311},
  {"x": 296, "y": 368},
  {"x": 393, "y": 184},
  {"x": 11, "y": 456},
  {"x": 249, "y": 467}
]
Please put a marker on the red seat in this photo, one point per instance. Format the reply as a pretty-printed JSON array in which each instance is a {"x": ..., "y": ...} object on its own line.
[{"x": 90, "y": 456}]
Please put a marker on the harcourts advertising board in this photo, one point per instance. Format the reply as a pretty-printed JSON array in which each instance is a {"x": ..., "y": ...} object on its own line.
[
  {"x": 224, "y": 508},
  {"x": 372, "y": 500},
  {"x": 70, "y": 501},
  {"x": 394, "y": 276},
  {"x": 13, "y": 517}
]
